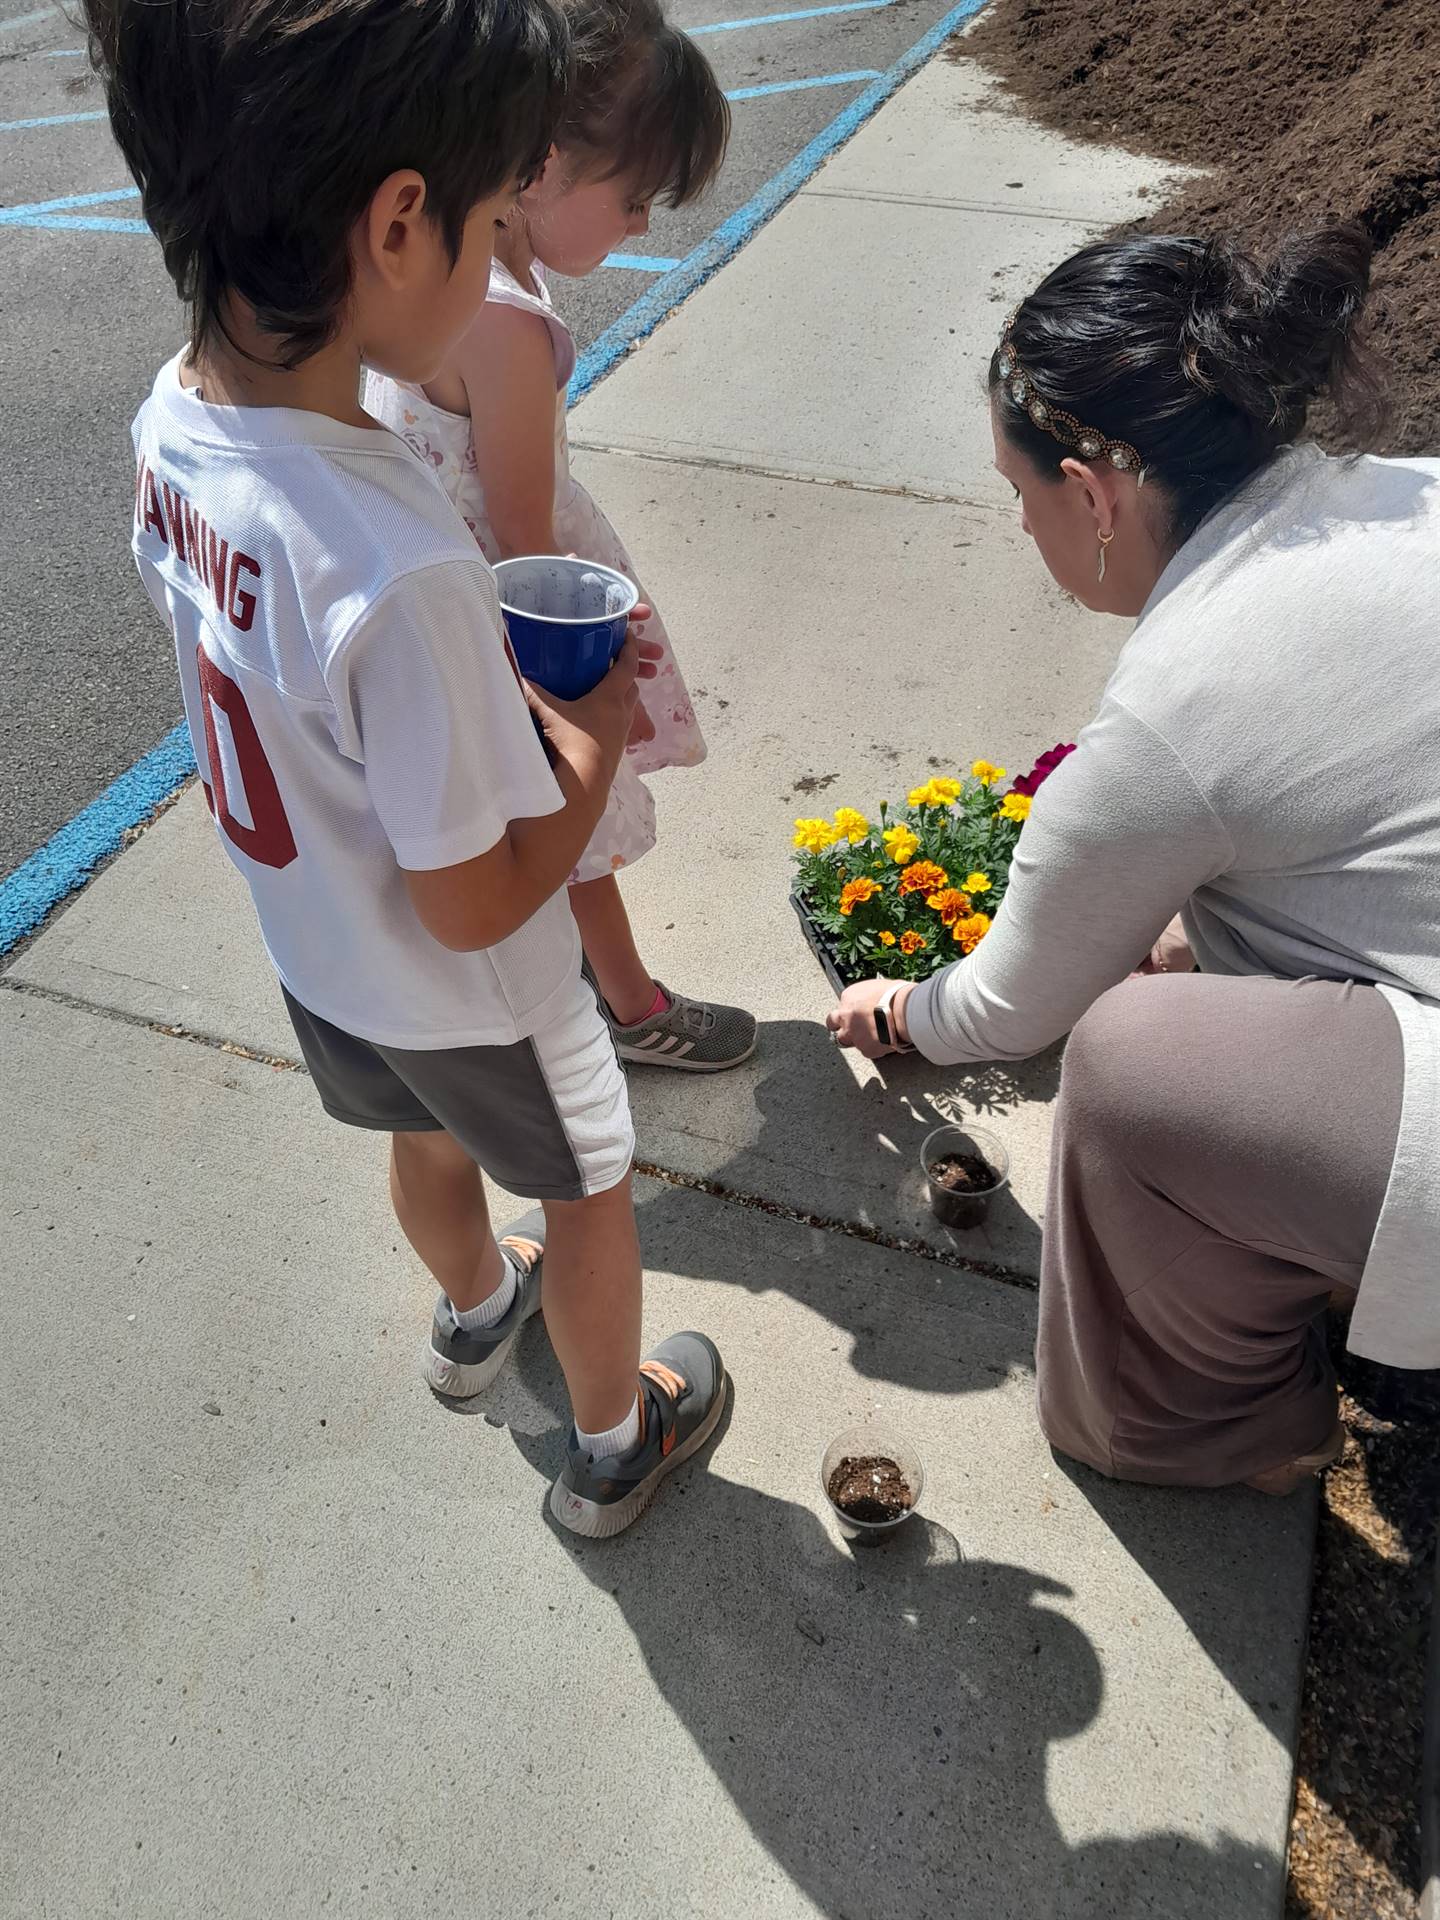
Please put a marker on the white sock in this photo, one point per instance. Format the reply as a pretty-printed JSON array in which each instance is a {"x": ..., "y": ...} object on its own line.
[
  {"x": 616, "y": 1442},
  {"x": 496, "y": 1306}
]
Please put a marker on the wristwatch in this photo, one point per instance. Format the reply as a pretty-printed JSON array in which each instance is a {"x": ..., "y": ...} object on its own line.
[{"x": 887, "y": 1028}]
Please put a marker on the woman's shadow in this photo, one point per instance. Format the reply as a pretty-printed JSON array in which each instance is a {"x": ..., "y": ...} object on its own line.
[{"x": 881, "y": 1719}]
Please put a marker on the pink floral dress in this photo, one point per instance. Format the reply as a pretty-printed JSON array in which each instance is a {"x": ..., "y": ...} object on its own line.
[{"x": 442, "y": 439}]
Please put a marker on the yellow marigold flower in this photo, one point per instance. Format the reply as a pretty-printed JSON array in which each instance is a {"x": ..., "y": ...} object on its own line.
[
  {"x": 968, "y": 933},
  {"x": 855, "y": 893},
  {"x": 950, "y": 904},
  {"x": 1015, "y": 806},
  {"x": 851, "y": 825},
  {"x": 978, "y": 883},
  {"x": 901, "y": 844},
  {"x": 814, "y": 836},
  {"x": 986, "y": 774},
  {"x": 912, "y": 942},
  {"x": 935, "y": 793},
  {"x": 923, "y": 877},
  {"x": 887, "y": 939}
]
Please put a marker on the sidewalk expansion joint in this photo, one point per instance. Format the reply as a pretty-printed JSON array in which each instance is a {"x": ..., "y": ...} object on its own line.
[
  {"x": 844, "y": 1229},
  {"x": 943, "y": 204},
  {"x": 667, "y": 1176},
  {"x": 217, "y": 1042},
  {"x": 718, "y": 463}
]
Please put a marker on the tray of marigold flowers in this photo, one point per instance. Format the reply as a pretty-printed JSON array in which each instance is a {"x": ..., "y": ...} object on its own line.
[{"x": 903, "y": 892}]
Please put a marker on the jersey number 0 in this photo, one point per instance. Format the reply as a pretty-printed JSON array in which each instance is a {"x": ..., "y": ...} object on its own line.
[{"x": 269, "y": 841}]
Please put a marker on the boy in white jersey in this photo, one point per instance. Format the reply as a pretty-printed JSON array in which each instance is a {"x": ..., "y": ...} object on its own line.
[{"x": 325, "y": 177}]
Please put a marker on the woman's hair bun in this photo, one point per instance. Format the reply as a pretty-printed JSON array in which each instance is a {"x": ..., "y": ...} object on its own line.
[{"x": 1271, "y": 339}]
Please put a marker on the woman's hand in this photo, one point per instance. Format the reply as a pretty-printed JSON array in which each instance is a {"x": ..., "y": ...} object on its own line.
[{"x": 853, "y": 1021}]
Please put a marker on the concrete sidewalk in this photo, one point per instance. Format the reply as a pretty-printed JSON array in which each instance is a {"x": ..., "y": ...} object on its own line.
[{"x": 292, "y": 1638}]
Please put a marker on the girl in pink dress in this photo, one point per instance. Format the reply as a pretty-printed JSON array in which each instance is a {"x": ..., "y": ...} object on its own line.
[{"x": 646, "y": 119}]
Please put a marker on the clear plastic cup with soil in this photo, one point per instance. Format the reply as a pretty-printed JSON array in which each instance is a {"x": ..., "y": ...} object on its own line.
[
  {"x": 873, "y": 1478},
  {"x": 965, "y": 1170}
]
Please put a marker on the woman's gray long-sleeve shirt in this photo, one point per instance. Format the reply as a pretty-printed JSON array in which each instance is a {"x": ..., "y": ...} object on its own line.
[{"x": 1266, "y": 758}]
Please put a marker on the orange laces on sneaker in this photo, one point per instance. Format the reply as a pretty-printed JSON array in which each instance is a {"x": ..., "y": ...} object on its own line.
[
  {"x": 529, "y": 1250},
  {"x": 668, "y": 1381}
]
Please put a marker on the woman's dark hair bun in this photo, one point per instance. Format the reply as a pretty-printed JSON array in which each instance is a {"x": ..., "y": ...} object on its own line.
[{"x": 1271, "y": 339}]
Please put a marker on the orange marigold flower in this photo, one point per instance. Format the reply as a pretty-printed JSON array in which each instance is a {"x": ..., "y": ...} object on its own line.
[
  {"x": 912, "y": 942},
  {"x": 887, "y": 939},
  {"x": 967, "y": 934},
  {"x": 950, "y": 904},
  {"x": 855, "y": 893},
  {"x": 923, "y": 876}
]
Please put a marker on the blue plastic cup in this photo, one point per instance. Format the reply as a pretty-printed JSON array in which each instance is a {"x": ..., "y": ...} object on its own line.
[{"x": 566, "y": 619}]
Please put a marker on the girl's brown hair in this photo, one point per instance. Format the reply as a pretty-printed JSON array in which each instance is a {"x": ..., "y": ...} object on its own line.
[{"x": 643, "y": 101}]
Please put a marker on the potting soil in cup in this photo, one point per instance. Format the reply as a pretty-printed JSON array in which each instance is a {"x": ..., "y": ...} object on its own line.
[
  {"x": 966, "y": 1182},
  {"x": 870, "y": 1488}
]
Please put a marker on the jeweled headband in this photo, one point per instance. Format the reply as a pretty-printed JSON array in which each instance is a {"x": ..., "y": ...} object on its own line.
[{"x": 1062, "y": 426}]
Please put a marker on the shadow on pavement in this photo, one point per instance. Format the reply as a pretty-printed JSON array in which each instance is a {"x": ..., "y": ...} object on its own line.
[
  {"x": 1198, "y": 1547},
  {"x": 881, "y": 1718},
  {"x": 796, "y": 1126},
  {"x": 819, "y": 1271}
]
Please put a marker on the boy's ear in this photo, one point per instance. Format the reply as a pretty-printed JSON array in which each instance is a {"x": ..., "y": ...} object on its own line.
[
  {"x": 390, "y": 227},
  {"x": 545, "y": 175}
]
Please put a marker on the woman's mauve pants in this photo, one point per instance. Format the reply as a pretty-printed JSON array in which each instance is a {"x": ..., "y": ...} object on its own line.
[{"x": 1222, "y": 1148}]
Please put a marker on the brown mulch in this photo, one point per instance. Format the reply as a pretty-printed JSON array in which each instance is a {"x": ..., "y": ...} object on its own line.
[
  {"x": 1355, "y": 1838},
  {"x": 1302, "y": 112}
]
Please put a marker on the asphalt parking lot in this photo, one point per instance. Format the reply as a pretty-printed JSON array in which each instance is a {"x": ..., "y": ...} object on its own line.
[{"x": 87, "y": 314}]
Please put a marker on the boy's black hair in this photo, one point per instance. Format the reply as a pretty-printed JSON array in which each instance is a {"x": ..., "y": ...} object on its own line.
[
  {"x": 644, "y": 103},
  {"x": 258, "y": 130}
]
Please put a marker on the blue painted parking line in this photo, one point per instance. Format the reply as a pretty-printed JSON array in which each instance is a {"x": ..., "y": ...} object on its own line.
[
  {"x": 68, "y": 859},
  {"x": 49, "y": 120},
  {"x": 70, "y": 200},
  {"x": 72, "y": 223},
  {"x": 777, "y": 19},
  {"x": 799, "y": 86},
  {"x": 27, "y": 19},
  {"x": 52, "y": 214},
  {"x": 640, "y": 262}
]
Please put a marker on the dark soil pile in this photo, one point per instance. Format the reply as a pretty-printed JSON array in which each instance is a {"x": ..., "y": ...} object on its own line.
[
  {"x": 1325, "y": 110},
  {"x": 1355, "y": 1845}
]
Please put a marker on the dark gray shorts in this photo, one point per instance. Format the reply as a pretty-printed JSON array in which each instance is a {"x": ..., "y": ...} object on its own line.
[{"x": 547, "y": 1118}]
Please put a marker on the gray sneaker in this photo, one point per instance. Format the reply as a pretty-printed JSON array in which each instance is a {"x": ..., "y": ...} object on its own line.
[
  {"x": 682, "y": 1395},
  {"x": 459, "y": 1364},
  {"x": 693, "y": 1035}
]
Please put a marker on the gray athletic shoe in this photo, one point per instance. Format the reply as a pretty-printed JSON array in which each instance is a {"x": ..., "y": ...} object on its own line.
[
  {"x": 693, "y": 1035},
  {"x": 682, "y": 1395},
  {"x": 459, "y": 1364}
]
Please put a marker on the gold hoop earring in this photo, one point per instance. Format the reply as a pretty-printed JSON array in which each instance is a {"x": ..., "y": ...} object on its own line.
[{"x": 1105, "y": 540}]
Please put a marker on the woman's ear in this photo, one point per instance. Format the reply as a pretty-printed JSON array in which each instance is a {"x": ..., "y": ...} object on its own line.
[
  {"x": 1101, "y": 488},
  {"x": 390, "y": 229}
]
